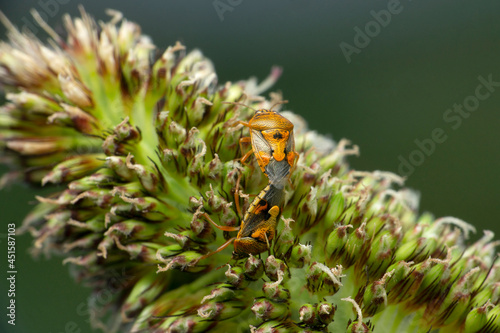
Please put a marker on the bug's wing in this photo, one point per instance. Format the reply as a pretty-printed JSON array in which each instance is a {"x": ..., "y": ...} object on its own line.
[
  {"x": 264, "y": 221},
  {"x": 267, "y": 228},
  {"x": 277, "y": 172},
  {"x": 261, "y": 148},
  {"x": 252, "y": 220}
]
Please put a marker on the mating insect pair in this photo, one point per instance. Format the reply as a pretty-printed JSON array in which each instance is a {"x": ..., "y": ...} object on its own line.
[{"x": 273, "y": 145}]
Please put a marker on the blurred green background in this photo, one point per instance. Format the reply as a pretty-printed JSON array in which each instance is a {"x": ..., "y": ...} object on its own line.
[{"x": 394, "y": 90}]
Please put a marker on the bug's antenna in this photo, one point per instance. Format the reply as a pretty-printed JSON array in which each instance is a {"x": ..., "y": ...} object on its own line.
[
  {"x": 276, "y": 104},
  {"x": 236, "y": 103}
]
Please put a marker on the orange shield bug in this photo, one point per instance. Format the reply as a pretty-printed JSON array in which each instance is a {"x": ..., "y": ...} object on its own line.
[
  {"x": 271, "y": 136},
  {"x": 258, "y": 226}
]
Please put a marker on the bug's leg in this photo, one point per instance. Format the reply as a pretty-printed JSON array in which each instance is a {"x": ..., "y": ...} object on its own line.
[
  {"x": 239, "y": 122},
  {"x": 237, "y": 196},
  {"x": 295, "y": 160},
  {"x": 292, "y": 160},
  {"x": 246, "y": 139},
  {"x": 268, "y": 245},
  {"x": 220, "y": 248},
  {"x": 223, "y": 228},
  {"x": 267, "y": 241}
]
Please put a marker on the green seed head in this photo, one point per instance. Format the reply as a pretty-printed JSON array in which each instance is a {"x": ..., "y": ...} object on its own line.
[{"x": 146, "y": 156}]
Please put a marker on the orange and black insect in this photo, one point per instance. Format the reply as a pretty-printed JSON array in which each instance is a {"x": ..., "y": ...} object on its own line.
[
  {"x": 258, "y": 226},
  {"x": 271, "y": 136},
  {"x": 273, "y": 144}
]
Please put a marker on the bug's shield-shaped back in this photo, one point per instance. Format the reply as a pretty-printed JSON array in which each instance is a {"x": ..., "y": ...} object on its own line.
[{"x": 278, "y": 140}]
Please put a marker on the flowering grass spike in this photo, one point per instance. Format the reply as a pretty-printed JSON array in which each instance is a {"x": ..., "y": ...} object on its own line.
[{"x": 141, "y": 146}]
